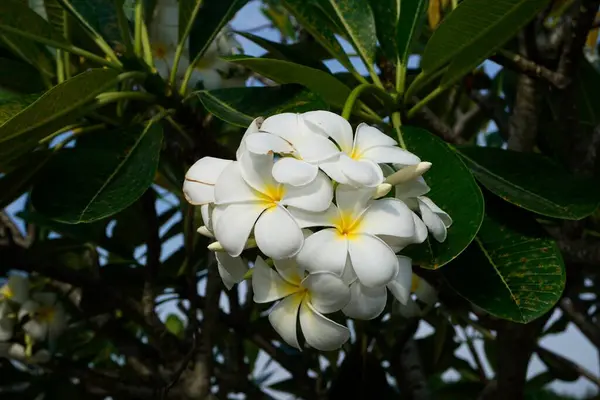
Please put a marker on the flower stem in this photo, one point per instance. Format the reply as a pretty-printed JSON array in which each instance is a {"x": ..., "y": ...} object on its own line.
[
  {"x": 111, "y": 97},
  {"x": 400, "y": 77},
  {"x": 387, "y": 100},
  {"x": 397, "y": 123},
  {"x": 411, "y": 113}
]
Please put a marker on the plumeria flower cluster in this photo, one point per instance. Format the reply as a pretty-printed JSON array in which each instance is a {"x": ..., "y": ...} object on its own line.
[
  {"x": 28, "y": 318},
  {"x": 210, "y": 71},
  {"x": 316, "y": 198}
]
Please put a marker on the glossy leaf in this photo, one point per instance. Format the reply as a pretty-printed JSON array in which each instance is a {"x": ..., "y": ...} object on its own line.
[
  {"x": 101, "y": 15},
  {"x": 239, "y": 106},
  {"x": 454, "y": 190},
  {"x": 314, "y": 20},
  {"x": 56, "y": 108},
  {"x": 357, "y": 19},
  {"x": 16, "y": 17},
  {"x": 386, "y": 14},
  {"x": 211, "y": 18},
  {"x": 513, "y": 270},
  {"x": 329, "y": 88},
  {"x": 411, "y": 19},
  {"x": 474, "y": 30},
  {"x": 533, "y": 182},
  {"x": 105, "y": 181},
  {"x": 20, "y": 77}
]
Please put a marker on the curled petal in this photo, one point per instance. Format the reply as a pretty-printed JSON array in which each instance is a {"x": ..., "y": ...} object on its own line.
[
  {"x": 333, "y": 169},
  {"x": 325, "y": 250},
  {"x": 433, "y": 221},
  {"x": 361, "y": 172},
  {"x": 446, "y": 219},
  {"x": 231, "y": 269},
  {"x": 277, "y": 234},
  {"x": 368, "y": 136},
  {"x": 234, "y": 226},
  {"x": 373, "y": 261},
  {"x": 265, "y": 143},
  {"x": 268, "y": 285},
  {"x": 207, "y": 170},
  {"x": 365, "y": 303},
  {"x": 308, "y": 219},
  {"x": 401, "y": 284},
  {"x": 206, "y": 211},
  {"x": 330, "y": 124},
  {"x": 385, "y": 154},
  {"x": 289, "y": 126},
  {"x": 389, "y": 217},
  {"x": 291, "y": 171},
  {"x": 414, "y": 188},
  {"x": 253, "y": 128},
  {"x": 284, "y": 318},
  {"x": 319, "y": 331},
  {"x": 315, "y": 196},
  {"x": 231, "y": 187},
  {"x": 328, "y": 293},
  {"x": 256, "y": 171},
  {"x": 198, "y": 193}
]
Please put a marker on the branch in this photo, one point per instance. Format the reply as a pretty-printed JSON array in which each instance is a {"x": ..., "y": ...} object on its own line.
[
  {"x": 525, "y": 66},
  {"x": 153, "y": 252},
  {"x": 591, "y": 331},
  {"x": 569, "y": 364},
  {"x": 493, "y": 107},
  {"x": 428, "y": 119}
]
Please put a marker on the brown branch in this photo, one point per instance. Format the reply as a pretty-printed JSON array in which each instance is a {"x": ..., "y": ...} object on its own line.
[
  {"x": 429, "y": 120},
  {"x": 525, "y": 66}
]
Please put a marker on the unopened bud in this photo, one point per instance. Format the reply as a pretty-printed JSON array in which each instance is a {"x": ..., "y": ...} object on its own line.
[
  {"x": 217, "y": 246},
  {"x": 382, "y": 190},
  {"x": 204, "y": 231},
  {"x": 409, "y": 173}
]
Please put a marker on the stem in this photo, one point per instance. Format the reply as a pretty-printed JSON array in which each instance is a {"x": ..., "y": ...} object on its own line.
[
  {"x": 124, "y": 27},
  {"x": 139, "y": 21},
  {"x": 374, "y": 76},
  {"x": 146, "y": 47},
  {"x": 422, "y": 103},
  {"x": 475, "y": 355},
  {"x": 359, "y": 90},
  {"x": 421, "y": 80},
  {"x": 78, "y": 132},
  {"x": 400, "y": 77},
  {"x": 132, "y": 75},
  {"x": 111, "y": 97},
  {"x": 60, "y": 66},
  {"x": 182, "y": 41},
  {"x": 397, "y": 123}
]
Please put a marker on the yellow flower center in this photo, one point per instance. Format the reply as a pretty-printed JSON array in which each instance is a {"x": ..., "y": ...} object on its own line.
[
  {"x": 355, "y": 154},
  {"x": 272, "y": 194},
  {"x": 347, "y": 224},
  {"x": 45, "y": 314},
  {"x": 6, "y": 292}
]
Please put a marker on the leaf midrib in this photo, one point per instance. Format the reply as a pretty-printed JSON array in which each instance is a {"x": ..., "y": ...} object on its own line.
[{"x": 361, "y": 49}]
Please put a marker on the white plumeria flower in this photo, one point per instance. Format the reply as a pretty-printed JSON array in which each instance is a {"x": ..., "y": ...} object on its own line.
[
  {"x": 304, "y": 299},
  {"x": 7, "y": 321},
  {"x": 424, "y": 293},
  {"x": 359, "y": 229},
  {"x": 231, "y": 269},
  {"x": 16, "y": 289},
  {"x": 200, "y": 180},
  {"x": 47, "y": 317},
  {"x": 357, "y": 165},
  {"x": 247, "y": 197},
  {"x": 289, "y": 133},
  {"x": 367, "y": 303},
  {"x": 17, "y": 351},
  {"x": 436, "y": 219}
]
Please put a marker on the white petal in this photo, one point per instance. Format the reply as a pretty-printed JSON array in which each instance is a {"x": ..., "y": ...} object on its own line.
[
  {"x": 308, "y": 219},
  {"x": 267, "y": 285},
  {"x": 315, "y": 148},
  {"x": 277, "y": 234},
  {"x": 231, "y": 269},
  {"x": 332, "y": 125},
  {"x": 206, "y": 210},
  {"x": 400, "y": 286},
  {"x": 232, "y": 188},
  {"x": 333, "y": 169},
  {"x": 289, "y": 270},
  {"x": 319, "y": 331},
  {"x": 385, "y": 154},
  {"x": 256, "y": 171},
  {"x": 368, "y": 136},
  {"x": 294, "y": 172},
  {"x": 28, "y": 308},
  {"x": 36, "y": 330},
  {"x": 253, "y": 128},
  {"x": 234, "y": 225},
  {"x": 420, "y": 229},
  {"x": 328, "y": 293},
  {"x": 373, "y": 261},
  {"x": 207, "y": 170},
  {"x": 19, "y": 287},
  {"x": 6, "y": 329},
  {"x": 315, "y": 196},
  {"x": 361, "y": 172},
  {"x": 325, "y": 250},
  {"x": 198, "y": 193},
  {"x": 365, "y": 303},
  {"x": 265, "y": 143},
  {"x": 446, "y": 219},
  {"x": 423, "y": 290},
  {"x": 433, "y": 221},
  {"x": 284, "y": 318},
  {"x": 414, "y": 188},
  {"x": 389, "y": 217},
  {"x": 289, "y": 126},
  {"x": 353, "y": 200}
]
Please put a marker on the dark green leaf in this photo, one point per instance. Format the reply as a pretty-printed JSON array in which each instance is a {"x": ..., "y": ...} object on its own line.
[
  {"x": 533, "y": 182},
  {"x": 212, "y": 17},
  {"x": 357, "y": 19},
  {"x": 17, "y": 181},
  {"x": 474, "y": 30},
  {"x": 104, "y": 182},
  {"x": 329, "y": 88},
  {"x": 386, "y": 13},
  {"x": 56, "y": 15},
  {"x": 314, "y": 20},
  {"x": 55, "y": 109},
  {"x": 20, "y": 77},
  {"x": 13, "y": 105},
  {"x": 558, "y": 366},
  {"x": 101, "y": 15},
  {"x": 291, "y": 53},
  {"x": 512, "y": 270},
  {"x": 175, "y": 325},
  {"x": 411, "y": 19},
  {"x": 16, "y": 17},
  {"x": 454, "y": 190},
  {"x": 240, "y": 106}
]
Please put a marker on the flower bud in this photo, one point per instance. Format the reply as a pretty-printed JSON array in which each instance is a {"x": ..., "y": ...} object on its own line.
[
  {"x": 216, "y": 246},
  {"x": 204, "y": 231},
  {"x": 382, "y": 190},
  {"x": 408, "y": 173}
]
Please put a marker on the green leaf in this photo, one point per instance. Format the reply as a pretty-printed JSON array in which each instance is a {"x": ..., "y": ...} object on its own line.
[
  {"x": 386, "y": 14},
  {"x": 101, "y": 15},
  {"x": 56, "y": 14},
  {"x": 240, "y": 106},
  {"x": 104, "y": 182},
  {"x": 286, "y": 52},
  {"x": 13, "y": 105},
  {"x": 16, "y": 17},
  {"x": 211, "y": 18},
  {"x": 328, "y": 87},
  {"x": 14, "y": 183},
  {"x": 454, "y": 190},
  {"x": 20, "y": 77},
  {"x": 357, "y": 19},
  {"x": 56, "y": 108},
  {"x": 473, "y": 31},
  {"x": 175, "y": 325},
  {"x": 280, "y": 18},
  {"x": 314, "y": 20},
  {"x": 412, "y": 14},
  {"x": 513, "y": 270},
  {"x": 533, "y": 182}
]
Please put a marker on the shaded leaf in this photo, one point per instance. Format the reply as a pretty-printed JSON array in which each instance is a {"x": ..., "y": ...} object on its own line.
[
  {"x": 101, "y": 15},
  {"x": 386, "y": 14},
  {"x": 14, "y": 183},
  {"x": 13, "y": 105},
  {"x": 412, "y": 14},
  {"x": 588, "y": 103},
  {"x": 20, "y": 77},
  {"x": 454, "y": 190},
  {"x": 175, "y": 325},
  {"x": 512, "y": 270},
  {"x": 104, "y": 182},
  {"x": 533, "y": 182},
  {"x": 240, "y": 106},
  {"x": 17, "y": 17}
]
